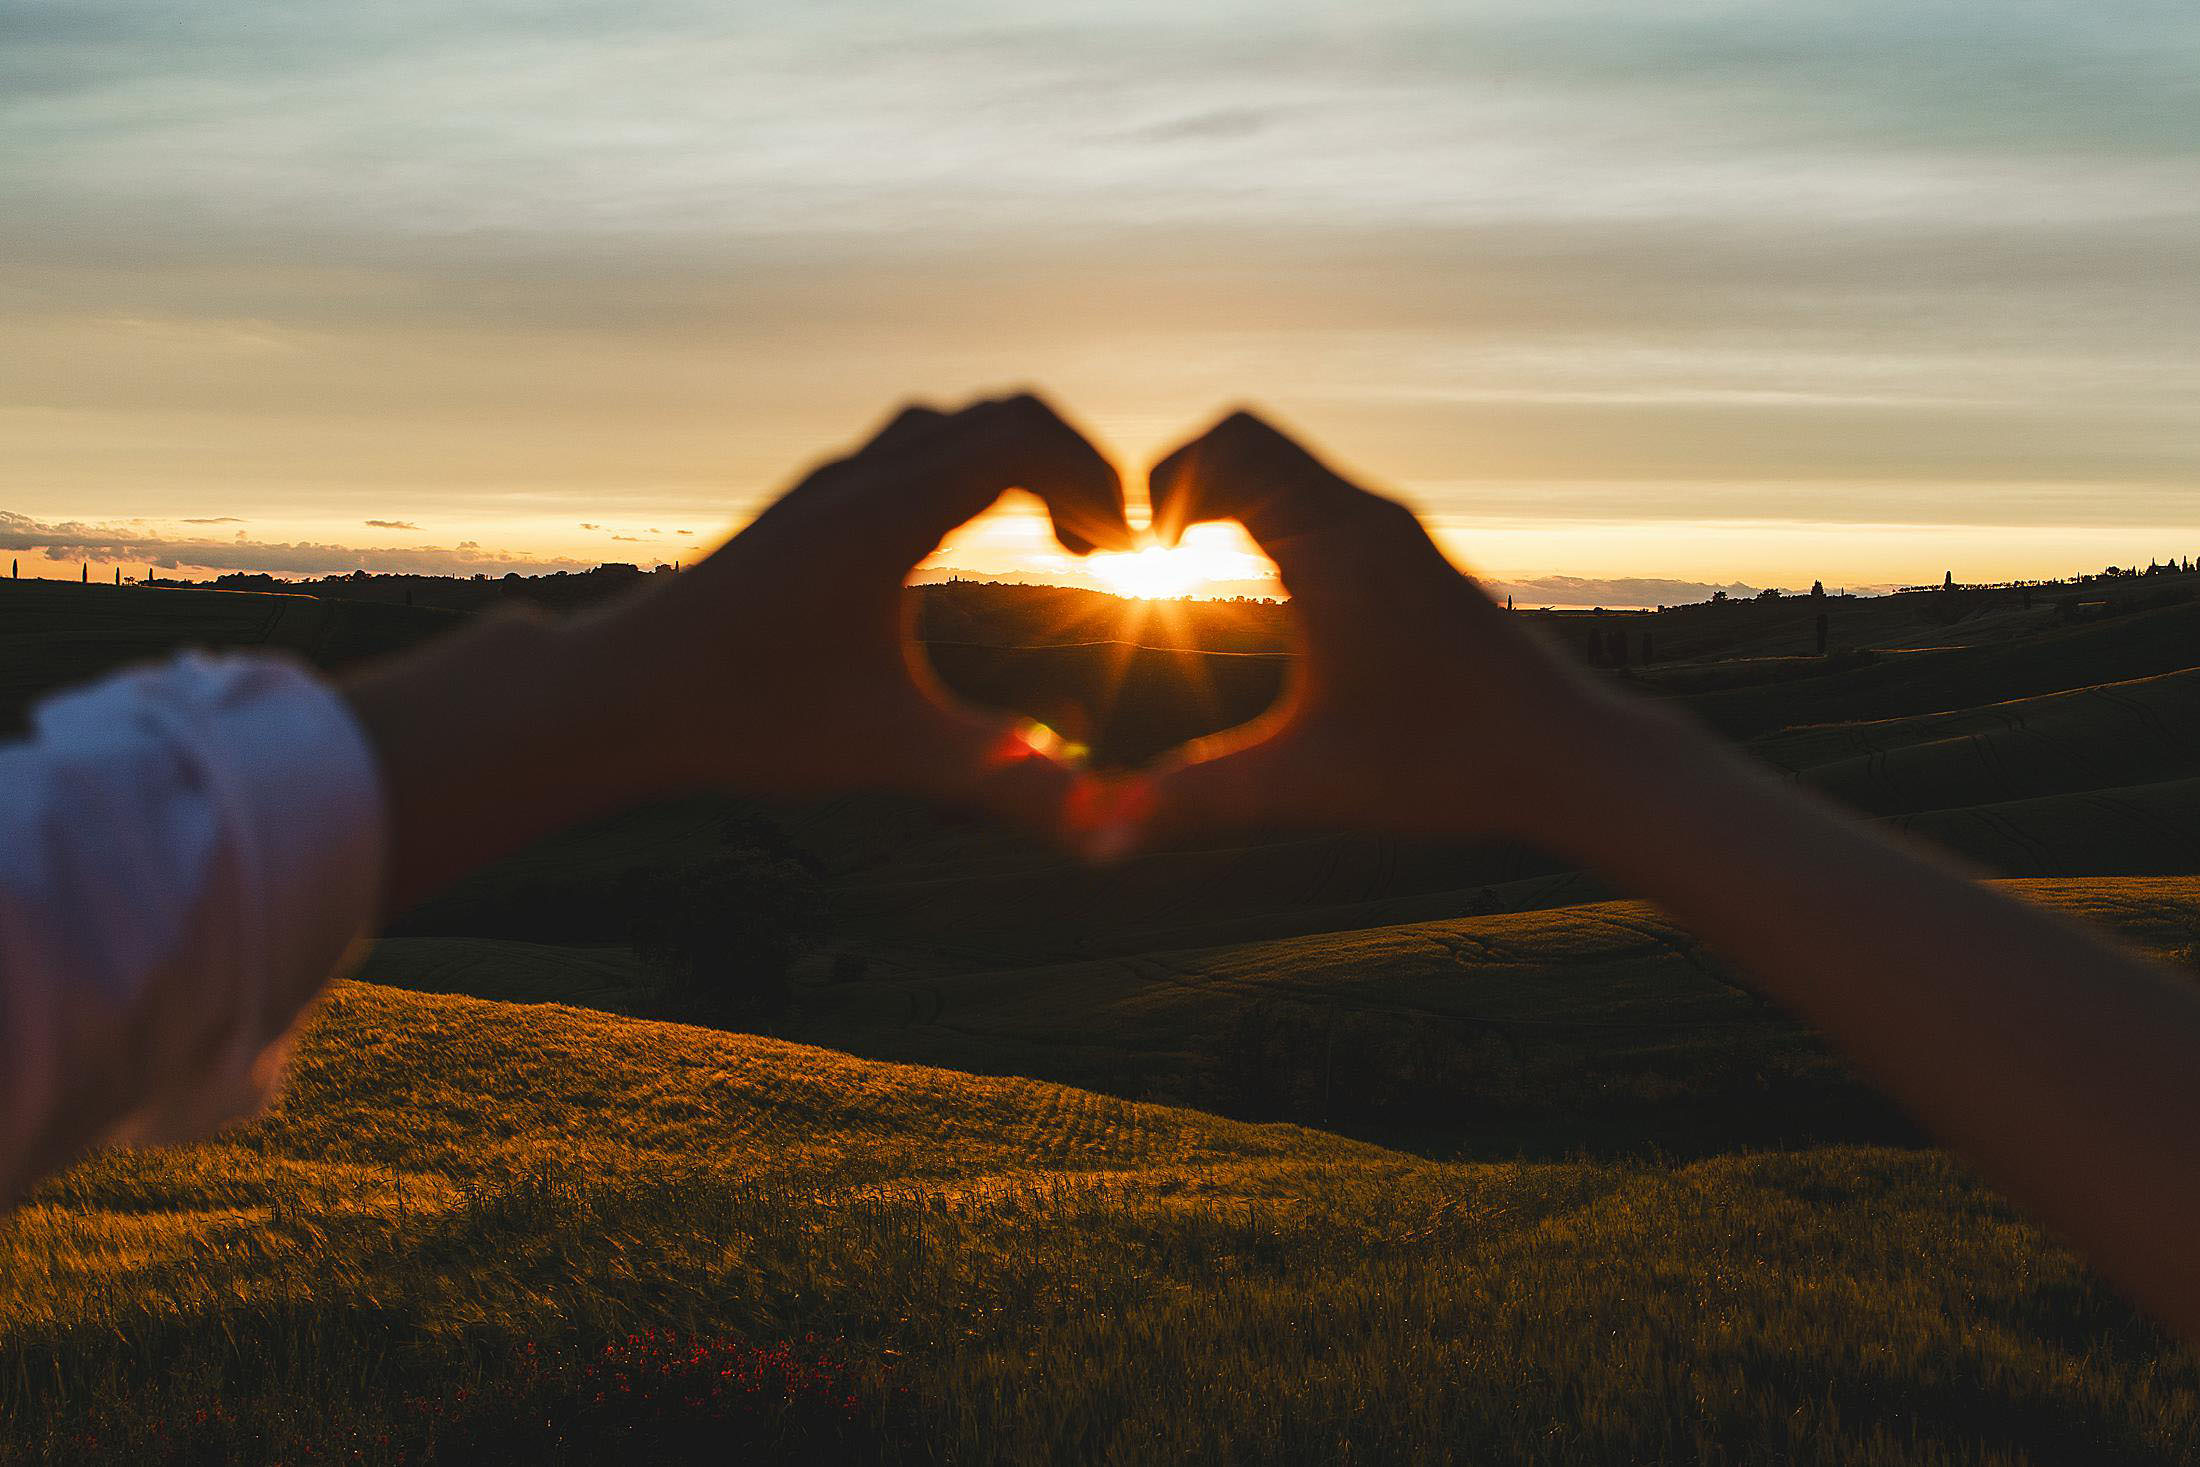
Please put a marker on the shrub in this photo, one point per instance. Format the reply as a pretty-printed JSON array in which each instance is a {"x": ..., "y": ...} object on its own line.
[{"x": 723, "y": 932}]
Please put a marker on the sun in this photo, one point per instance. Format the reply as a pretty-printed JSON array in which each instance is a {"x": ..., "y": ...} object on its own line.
[
  {"x": 1156, "y": 573},
  {"x": 1208, "y": 556}
]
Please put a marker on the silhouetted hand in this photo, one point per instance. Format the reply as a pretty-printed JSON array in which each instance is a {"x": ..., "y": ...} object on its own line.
[
  {"x": 787, "y": 656},
  {"x": 781, "y": 665},
  {"x": 1418, "y": 705},
  {"x": 2061, "y": 1065}
]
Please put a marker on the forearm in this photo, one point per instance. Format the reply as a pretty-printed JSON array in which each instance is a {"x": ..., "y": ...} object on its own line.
[
  {"x": 192, "y": 846},
  {"x": 2058, "y": 1062},
  {"x": 514, "y": 727}
]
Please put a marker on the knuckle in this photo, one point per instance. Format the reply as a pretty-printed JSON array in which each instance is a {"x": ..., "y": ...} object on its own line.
[
  {"x": 1024, "y": 405},
  {"x": 908, "y": 418},
  {"x": 1238, "y": 430}
]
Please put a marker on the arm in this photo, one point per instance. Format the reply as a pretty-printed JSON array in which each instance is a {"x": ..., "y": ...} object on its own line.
[
  {"x": 780, "y": 665},
  {"x": 190, "y": 848},
  {"x": 2059, "y": 1063}
]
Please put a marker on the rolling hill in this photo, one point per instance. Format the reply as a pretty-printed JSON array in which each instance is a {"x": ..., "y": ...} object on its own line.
[
  {"x": 1290, "y": 1146},
  {"x": 455, "y": 1190}
]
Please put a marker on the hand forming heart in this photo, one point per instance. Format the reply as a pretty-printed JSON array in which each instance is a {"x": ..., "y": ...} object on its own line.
[
  {"x": 1419, "y": 706},
  {"x": 806, "y": 679},
  {"x": 782, "y": 665}
]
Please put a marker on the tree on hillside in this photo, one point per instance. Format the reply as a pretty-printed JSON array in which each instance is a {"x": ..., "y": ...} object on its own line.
[{"x": 723, "y": 932}]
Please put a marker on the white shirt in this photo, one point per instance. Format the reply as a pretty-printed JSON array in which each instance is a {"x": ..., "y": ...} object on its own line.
[{"x": 186, "y": 852}]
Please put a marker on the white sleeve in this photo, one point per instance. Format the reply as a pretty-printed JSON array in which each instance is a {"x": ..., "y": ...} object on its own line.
[{"x": 186, "y": 852}]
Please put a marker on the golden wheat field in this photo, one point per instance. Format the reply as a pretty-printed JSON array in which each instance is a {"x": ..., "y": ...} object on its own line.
[{"x": 1019, "y": 1270}]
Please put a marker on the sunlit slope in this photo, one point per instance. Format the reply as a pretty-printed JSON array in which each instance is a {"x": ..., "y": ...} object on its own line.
[
  {"x": 2138, "y": 732},
  {"x": 1048, "y": 1274},
  {"x": 2125, "y": 830},
  {"x": 488, "y": 1085},
  {"x": 1567, "y": 1022},
  {"x": 2052, "y": 660}
]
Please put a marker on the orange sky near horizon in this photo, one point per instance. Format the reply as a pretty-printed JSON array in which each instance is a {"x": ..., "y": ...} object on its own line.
[
  {"x": 1629, "y": 302},
  {"x": 1015, "y": 541}
]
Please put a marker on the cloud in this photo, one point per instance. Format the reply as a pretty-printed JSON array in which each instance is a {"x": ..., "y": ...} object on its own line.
[
  {"x": 76, "y": 540},
  {"x": 683, "y": 532},
  {"x": 220, "y": 519},
  {"x": 587, "y": 526},
  {"x": 391, "y": 525},
  {"x": 630, "y": 539},
  {"x": 1765, "y": 240},
  {"x": 1218, "y": 124}
]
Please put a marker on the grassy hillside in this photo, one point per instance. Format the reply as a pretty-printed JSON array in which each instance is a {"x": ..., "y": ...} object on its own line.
[
  {"x": 1285, "y": 1146},
  {"x": 1581, "y": 1026},
  {"x": 2052, "y": 659},
  {"x": 2101, "y": 735},
  {"x": 458, "y": 1194}
]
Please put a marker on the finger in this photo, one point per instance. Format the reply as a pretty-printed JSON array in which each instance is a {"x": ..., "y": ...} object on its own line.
[
  {"x": 1040, "y": 451},
  {"x": 910, "y": 422},
  {"x": 1314, "y": 523},
  {"x": 926, "y": 477}
]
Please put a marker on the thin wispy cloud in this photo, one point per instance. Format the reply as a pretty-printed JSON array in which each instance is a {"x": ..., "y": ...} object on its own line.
[
  {"x": 70, "y": 541},
  {"x": 649, "y": 259}
]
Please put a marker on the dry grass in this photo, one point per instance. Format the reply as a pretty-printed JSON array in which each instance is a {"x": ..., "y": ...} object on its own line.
[{"x": 1044, "y": 1273}]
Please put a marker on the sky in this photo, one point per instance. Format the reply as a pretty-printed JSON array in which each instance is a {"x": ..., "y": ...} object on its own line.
[{"x": 1629, "y": 301}]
